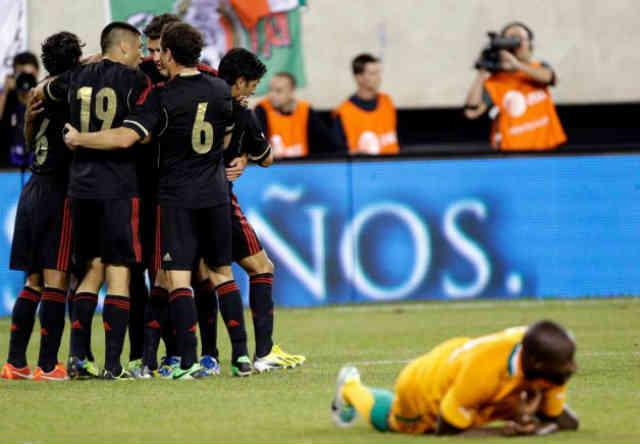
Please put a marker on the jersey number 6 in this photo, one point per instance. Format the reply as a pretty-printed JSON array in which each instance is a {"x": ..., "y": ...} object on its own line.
[{"x": 202, "y": 133}]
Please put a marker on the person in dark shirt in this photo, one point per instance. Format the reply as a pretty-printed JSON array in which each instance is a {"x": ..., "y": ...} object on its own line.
[
  {"x": 13, "y": 103},
  {"x": 42, "y": 236},
  {"x": 192, "y": 118},
  {"x": 242, "y": 70},
  {"x": 103, "y": 187}
]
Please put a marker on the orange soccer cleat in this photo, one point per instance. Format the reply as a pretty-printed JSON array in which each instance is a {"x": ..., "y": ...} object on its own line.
[
  {"x": 59, "y": 373},
  {"x": 11, "y": 372}
]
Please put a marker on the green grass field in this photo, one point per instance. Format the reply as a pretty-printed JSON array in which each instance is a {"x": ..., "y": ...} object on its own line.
[{"x": 293, "y": 405}]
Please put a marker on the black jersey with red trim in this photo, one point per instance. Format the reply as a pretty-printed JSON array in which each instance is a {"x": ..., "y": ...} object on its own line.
[
  {"x": 51, "y": 155},
  {"x": 100, "y": 96},
  {"x": 247, "y": 137},
  {"x": 189, "y": 115}
]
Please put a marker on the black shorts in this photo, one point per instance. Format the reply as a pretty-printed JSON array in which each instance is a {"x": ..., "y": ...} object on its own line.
[
  {"x": 244, "y": 238},
  {"x": 108, "y": 229},
  {"x": 185, "y": 235},
  {"x": 42, "y": 234}
]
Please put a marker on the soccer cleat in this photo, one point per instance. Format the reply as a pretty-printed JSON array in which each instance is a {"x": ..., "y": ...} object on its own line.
[
  {"x": 135, "y": 368},
  {"x": 241, "y": 366},
  {"x": 59, "y": 373},
  {"x": 342, "y": 413},
  {"x": 277, "y": 359},
  {"x": 167, "y": 365},
  {"x": 123, "y": 376},
  {"x": 11, "y": 372},
  {"x": 194, "y": 372},
  {"x": 210, "y": 365},
  {"x": 79, "y": 369}
]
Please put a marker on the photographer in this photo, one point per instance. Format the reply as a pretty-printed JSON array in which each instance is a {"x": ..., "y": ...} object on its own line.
[
  {"x": 514, "y": 89},
  {"x": 13, "y": 102}
]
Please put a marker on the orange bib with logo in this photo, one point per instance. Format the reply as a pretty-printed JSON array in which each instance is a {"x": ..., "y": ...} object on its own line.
[
  {"x": 527, "y": 118},
  {"x": 370, "y": 132},
  {"x": 287, "y": 132}
]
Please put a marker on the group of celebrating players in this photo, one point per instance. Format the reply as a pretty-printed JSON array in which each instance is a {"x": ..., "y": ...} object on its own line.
[{"x": 133, "y": 171}]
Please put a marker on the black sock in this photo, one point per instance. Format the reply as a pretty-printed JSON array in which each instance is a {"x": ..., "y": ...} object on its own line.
[
  {"x": 139, "y": 296},
  {"x": 84, "y": 305},
  {"x": 261, "y": 303},
  {"x": 207, "y": 307},
  {"x": 182, "y": 312},
  {"x": 70, "y": 299},
  {"x": 115, "y": 316},
  {"x": 168, "y": 330},
  {"x": 52, "y": 311},
  {"x": 22, "y": 319},
  {"x": 156, "y": 318},
  {"x": 230, "y": 303}
]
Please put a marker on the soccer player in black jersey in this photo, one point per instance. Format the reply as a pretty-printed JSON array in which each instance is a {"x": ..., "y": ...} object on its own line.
[
  {"x": 42, "y": 237},
  {"x": 192, "y": 118},
  {"x": 242, "y": 70},
  {"x": 103, "y": 186}
]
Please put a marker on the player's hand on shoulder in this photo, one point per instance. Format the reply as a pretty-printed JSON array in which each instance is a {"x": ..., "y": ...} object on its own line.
[{"x": 34, "y": 107}]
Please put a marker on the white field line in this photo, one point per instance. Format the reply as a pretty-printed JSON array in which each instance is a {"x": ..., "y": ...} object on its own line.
[
  {"x": 406, "y": 361},
  {"x": 439, "y": 305}
]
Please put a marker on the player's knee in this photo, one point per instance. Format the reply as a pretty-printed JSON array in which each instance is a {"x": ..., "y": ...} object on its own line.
[
  {"x": 56, "y": 279},
  {"x": 258, "y": 264}
]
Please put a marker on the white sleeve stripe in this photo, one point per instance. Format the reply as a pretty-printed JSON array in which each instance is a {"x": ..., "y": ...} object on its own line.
[
  {"x": 264, "y": 153},
  {"x": 144, "y": 130}
]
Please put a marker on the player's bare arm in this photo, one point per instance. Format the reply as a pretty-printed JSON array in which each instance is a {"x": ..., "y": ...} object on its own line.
[
  {"x": 34, "y": 108},
  {"x": 111, "y": 139}
]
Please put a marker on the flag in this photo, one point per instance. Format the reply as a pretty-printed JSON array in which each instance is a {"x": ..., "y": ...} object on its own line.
[
  {"x": 270, "y": 28},
  {"x": 13, "y": 34}
]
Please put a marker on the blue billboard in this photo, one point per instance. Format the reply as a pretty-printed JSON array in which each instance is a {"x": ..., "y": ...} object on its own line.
[{"x": 367, "y": 231}]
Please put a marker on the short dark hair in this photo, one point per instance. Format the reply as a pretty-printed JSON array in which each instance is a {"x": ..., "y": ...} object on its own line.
[
  {"x": 520, "y": 24},
  {"x": 359, "y": 62},
  {"x": 547, "y": 352},
  {"x": 184, "y": 41},
  {"x": 25, "y": 58},
  {"x": 153, "y": 30},
  {"x": 289, "y": 76},
  {"x": 61, "y": 52},
  {"x": 239, "y": 62},
  {"x": 111, "y": 34}
]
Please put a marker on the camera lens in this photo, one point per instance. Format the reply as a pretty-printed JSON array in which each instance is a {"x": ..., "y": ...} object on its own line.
[{"x": 25, "y": 81}]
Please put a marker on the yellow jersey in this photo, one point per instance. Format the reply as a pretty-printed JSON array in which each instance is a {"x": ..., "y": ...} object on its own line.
[{"x": 469, "y": 382}]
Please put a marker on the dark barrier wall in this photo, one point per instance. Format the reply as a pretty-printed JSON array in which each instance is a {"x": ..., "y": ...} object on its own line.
[{"x": 365, "y": 231}]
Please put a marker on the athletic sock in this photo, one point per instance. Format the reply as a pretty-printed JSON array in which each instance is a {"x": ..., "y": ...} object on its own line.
[
  {"x": 22, "y": 319},
  {"x": 71, "y": 297},
  {"x": 139, "y": 296},
  {"x": 115, "y": 316},
  {"x": 207, "y": 307},
  {"x": 182, "y": 312},
  {"x": 84, "y": 305},
  {"x": 370, "y": 403},
  {"x": 230, "y": 303},
  {"x": 52, "y": 312},
  {"x": 156, "y": 318},
  {"x": 261, "y": 303}
]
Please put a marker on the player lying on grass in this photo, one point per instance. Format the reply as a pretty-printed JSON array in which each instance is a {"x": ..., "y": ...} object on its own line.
[{"x": 519, "y": 375}]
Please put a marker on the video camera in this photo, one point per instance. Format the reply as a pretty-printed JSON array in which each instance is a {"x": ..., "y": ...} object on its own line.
[
  {"x": 25, "y": 81},
  {"x": 490, "y": 56}
]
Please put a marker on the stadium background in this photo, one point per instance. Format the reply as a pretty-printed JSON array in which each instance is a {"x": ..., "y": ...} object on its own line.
[{"x": 455, "y": 227}]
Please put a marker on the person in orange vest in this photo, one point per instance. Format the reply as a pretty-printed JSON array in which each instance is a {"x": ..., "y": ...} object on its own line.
[
  {"x": 366, "y": 122},
  {"x": 292, "y": 127},
  {"x": 517, "y": 98}
]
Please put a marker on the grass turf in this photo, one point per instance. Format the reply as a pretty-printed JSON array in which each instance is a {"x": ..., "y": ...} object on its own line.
[{"x": 293, "y": 405}]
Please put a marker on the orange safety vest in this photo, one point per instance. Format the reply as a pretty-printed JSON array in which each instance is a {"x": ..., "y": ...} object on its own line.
[
  {"x": 370, "y": 132},
  {"x": 287, "y": 132},
  {"x": 527, "y": 118}
]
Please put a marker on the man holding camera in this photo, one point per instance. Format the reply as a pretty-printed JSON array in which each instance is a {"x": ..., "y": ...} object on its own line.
[
  {"x": 515, "y": 90},
  {"x": 13, "y": 103}
]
